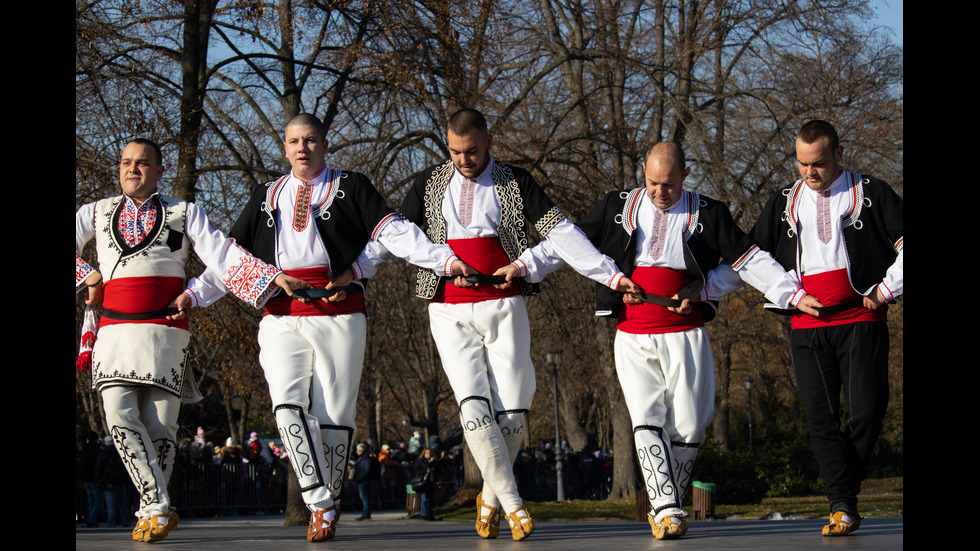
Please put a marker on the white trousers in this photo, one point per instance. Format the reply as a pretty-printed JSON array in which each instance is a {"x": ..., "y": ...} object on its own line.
[
  {"x": 313, "y": 366},
  {"x": 142, "y": 421},
  {"x": 486, "y": 353},
  {"x": 668, "y": 381}
]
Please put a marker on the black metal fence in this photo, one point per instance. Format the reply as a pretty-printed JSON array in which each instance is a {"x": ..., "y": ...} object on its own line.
[
  {"x": 204, "y": 489},
  {"x": 236, "y": 488}
]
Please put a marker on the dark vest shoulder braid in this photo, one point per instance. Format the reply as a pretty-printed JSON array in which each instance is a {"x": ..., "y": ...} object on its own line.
[
  {"x": 872, "y": 232},
  {"x": 346, "y": 221},
  {"x": 710, "y": 237},
  {"x": 522, "y": 204}
]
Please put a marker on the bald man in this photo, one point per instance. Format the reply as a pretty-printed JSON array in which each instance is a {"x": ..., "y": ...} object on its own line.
[{"x": 685, "y": 251}]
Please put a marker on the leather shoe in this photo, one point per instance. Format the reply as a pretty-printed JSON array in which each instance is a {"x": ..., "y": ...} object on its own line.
[
  {"x": 321, "y": 529},
  {"x": 842, "y": 524}
]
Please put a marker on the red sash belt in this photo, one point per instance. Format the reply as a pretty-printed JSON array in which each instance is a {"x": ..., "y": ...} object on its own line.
[
  {"x": 485, "y": 255},
  {"x": 136, "y": 295},
  {"x": 646, "y": 318},
  {"x": 832, "y": 288},
  {"x": 282, "y": 305}
]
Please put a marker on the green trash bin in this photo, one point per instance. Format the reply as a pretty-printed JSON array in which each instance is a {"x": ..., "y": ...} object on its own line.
[
  {"x": 413, "y": 501},
  {"x": 704, "y": 499}
]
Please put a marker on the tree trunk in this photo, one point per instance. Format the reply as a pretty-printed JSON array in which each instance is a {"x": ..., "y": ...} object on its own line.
[
  {"x": 624, "y": 470},
  {"x": 472, "y": 482},
  {"x": 720, "y": 420},
  {"x": 296, "y": 513},
  {"x": 572, "y": 431},
  {"x": 378, "y": 415},
  {"x": 290, "y": 98},
  {"x": 226, "y": 399},
  {"x": 194, "y": 64},
  {"x": 242, "y": 428},
  {"x": 624, "y": 473}
]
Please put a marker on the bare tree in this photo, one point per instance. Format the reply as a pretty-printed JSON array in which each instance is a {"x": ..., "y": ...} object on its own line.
[{"x": 575, "y": 92}]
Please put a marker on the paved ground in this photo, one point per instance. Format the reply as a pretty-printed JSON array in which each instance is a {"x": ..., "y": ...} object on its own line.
[{"x": 390, "y": 530}]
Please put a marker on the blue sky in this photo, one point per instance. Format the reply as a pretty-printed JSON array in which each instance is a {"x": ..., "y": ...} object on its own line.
[{"x": 889, "y": 14}]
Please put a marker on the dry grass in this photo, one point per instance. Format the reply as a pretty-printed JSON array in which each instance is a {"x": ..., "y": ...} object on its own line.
[{"x": 882, "y": 497}]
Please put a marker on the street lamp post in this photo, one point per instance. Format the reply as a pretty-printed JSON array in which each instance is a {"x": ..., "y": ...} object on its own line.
[
  {"x": 748, "y": 390},
  {"x": 554, "y": 359}
]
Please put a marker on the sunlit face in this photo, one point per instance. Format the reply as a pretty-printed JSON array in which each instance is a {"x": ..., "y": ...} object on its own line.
[
  {"x": 305, "y": 151},
  {"x": 819, "y": 165},
  {"x": 139, "y": 171},
  {"x": 470, "y": 152},
  {"x": 664, "y": 180}
]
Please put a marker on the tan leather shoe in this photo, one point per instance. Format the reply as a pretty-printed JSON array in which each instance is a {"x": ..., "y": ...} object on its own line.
[
  {"x": 521, "y": 525},
  {"x": 160, "y": 525},
  {"x": 488, "y": 526},
  {"x": 842, "y": 524},
  {"x": 321, "y": 529},
  {"x": 142, "y": 525},
  {"x": 669, "y": 528}
]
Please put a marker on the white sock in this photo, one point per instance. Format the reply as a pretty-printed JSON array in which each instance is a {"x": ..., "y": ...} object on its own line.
[{"x": 327, "y": 504}]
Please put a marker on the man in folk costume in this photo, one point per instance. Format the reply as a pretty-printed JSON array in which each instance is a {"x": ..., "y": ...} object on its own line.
[
  {"x": 142, "y": 240},
  {"x": 685, "y": 251},
  {"x": 483, "y": 209},
  {"x": 842, "y": 233},
  {"x": 313, "y": 223}
]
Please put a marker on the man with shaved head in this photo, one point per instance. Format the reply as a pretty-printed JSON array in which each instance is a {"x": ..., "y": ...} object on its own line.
[
  {"x": 685, "y": 251},
  {"x": 313, "y": 223}
]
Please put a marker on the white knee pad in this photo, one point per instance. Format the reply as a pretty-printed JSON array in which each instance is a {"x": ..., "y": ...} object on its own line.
[
  {"x": 475, "y": 412},
  {"x": 684, "y": 455},
  {"x": 300, "y": 436},
  {"x": 336, "y": 441},
  {"x": 653, "y": 453},
  {"x": 512, "y": 424}
]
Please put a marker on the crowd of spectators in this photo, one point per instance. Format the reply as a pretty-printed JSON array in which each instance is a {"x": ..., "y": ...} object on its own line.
[
  {"x": 587, "y": 473},
  {"x": 107, "y": 491}
]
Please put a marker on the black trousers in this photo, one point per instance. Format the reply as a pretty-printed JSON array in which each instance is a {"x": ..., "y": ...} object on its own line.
[{"x": 852, "y": 358}]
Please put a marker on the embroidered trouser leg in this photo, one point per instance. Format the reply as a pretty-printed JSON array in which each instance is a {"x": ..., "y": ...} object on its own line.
[
  {"x": 668, "y": 384},
  {"x": 854, "y": 358},
  {"x": 313, "y": 366},
  {"x": 486, "y": 353},
  {"x": 142, "y": 421}
]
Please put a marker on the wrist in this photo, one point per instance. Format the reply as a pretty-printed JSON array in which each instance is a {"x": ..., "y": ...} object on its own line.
[
  {"x": 192, "y": 296},
  {"x": 521, "y": 267},
  {"x": 882, "y": 293},
  {"x": 451, "y": 266},
  {"x": 616, "y": 280}
]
